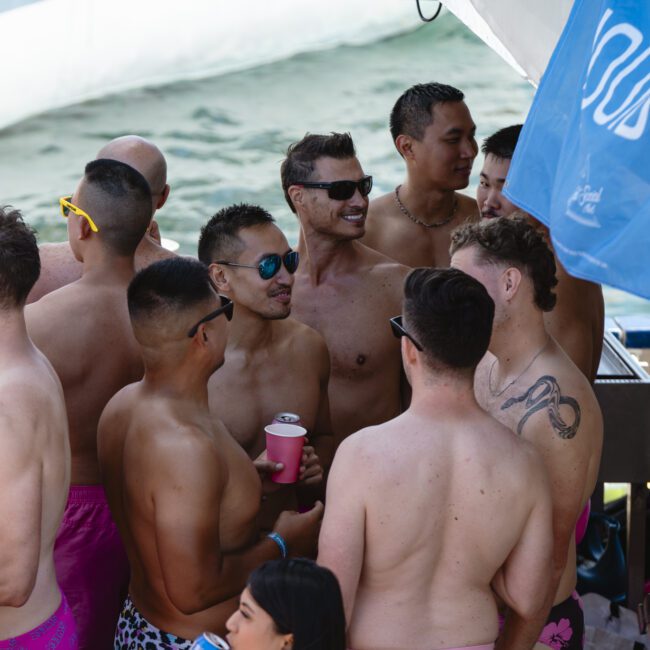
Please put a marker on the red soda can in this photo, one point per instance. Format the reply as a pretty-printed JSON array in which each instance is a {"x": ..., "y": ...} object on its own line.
[
  {"x": 287, "y": 418},
  {"x": 209, "y": 641}
]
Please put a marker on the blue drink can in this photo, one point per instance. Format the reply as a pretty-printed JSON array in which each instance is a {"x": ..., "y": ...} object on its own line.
[
  {"x": 287, "y": 418},
  {"x": 209, "y": 641}
]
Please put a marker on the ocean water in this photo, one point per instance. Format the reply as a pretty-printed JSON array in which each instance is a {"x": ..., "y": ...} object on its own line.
[{"x": 224, "y": 137}]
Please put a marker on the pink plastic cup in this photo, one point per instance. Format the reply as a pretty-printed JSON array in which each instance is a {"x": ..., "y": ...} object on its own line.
[{"x": 284, "y": 443}]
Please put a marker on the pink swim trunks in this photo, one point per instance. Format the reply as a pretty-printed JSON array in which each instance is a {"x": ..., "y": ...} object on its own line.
[
  {"x": 57, "y": 632},
  {"x": 91, "y": 566}
]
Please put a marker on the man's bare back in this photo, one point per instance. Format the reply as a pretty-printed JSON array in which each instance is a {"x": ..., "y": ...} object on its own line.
[
  {"x": 392, "y": 233},
  {"x": 350, "y": 306},
  {"x": 428, "y": 565},
  {"x": 84, "y": 330},
  {"x": 35, "y": 470},
  {"x": 164, "y": 465}
]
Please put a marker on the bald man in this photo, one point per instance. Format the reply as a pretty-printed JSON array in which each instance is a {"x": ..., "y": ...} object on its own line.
[
  {"x": 58, "y": 264},
  {"x": 84, "y": 330}
]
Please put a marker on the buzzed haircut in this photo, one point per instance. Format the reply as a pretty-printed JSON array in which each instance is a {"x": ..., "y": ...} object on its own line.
[
  {"x": 219, "y": 238},
  {"x": 118, "y": 199},
  {"x": 512, "y": 241},
  {"x": 413, "y": 111},
  {"x": 502, "y": 143},
  {"x": 168, "y": 286},
  {"x": 20, "y": 264},
  {"x": 298, "y": 166},
  {"x": 450, "y": 315}
]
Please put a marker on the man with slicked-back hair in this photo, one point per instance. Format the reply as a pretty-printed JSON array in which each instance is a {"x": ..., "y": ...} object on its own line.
[
  {"x": 84, "y": 330},
  {"x": 433, "y": 132},
  {"x": 58, "y": 263},
  {"x": 34, "y": 461},
  {"x": 423, "y": 522}
]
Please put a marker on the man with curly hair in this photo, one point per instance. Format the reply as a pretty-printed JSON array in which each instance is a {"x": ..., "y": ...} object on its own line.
[{"x": 528, "y": 383}]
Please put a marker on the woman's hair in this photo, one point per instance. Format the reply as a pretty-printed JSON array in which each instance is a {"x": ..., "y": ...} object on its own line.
[{"x": 303, "y": 599}]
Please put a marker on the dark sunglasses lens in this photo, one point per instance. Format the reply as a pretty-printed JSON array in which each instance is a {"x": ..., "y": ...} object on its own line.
[
  {"x": 269, "y": 266},
  {"x": 228, "y": 308},
  {"x": 342, "y": 190},
  {"x": 397, "y": 330},
  {"x": 291, "y": 261},
  {"x": 365, "y": 185}
]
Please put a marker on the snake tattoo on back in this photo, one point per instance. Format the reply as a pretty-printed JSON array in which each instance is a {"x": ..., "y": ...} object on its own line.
[{"x": 545, "y": 394}]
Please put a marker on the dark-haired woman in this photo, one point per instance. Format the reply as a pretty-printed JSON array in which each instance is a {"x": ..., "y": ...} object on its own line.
[{"x": 291, "y": 604}]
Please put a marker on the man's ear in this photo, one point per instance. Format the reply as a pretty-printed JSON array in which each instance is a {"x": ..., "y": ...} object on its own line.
[
  {"x": 85, "y": 231},
  {"x": 409, "y": 351},
  {"x": 404, "y": 145},
  {"x": 511, "y": 281},
  {"x": 218, "y": 277},
  {"x": 163, "y": 197},
  {"x": 288, "y": 642},
  {"x": 296, "y": 194}
]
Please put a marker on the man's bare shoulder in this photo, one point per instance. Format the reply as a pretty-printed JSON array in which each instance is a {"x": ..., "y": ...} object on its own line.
[
  {"x": 59, "y": 267},
  {"x": 467, "y": 207},
  {"x": 384, "y": 206},
  {"x": 380, "y": 265},
  {"x": 304, "y": 337}
]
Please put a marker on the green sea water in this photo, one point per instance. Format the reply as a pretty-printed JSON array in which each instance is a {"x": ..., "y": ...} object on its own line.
[{"x": 224, "y": 137}]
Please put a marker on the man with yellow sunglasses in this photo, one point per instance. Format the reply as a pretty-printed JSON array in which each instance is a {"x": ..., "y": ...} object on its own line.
[
  {"x": 84, "y": 330},
  {"x": 58, "y": 264}
]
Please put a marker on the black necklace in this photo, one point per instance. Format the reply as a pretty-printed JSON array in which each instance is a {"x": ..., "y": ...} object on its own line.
[{"x": 435, "y": 224}]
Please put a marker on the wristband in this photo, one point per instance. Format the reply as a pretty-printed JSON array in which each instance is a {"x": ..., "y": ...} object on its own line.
[{"x": 279, "y": 540}]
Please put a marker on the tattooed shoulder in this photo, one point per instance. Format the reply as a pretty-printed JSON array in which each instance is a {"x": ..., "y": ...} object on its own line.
[{"x": 545, "y": 394}]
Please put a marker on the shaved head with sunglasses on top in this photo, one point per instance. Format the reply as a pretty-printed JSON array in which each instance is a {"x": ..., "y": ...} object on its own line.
[
  {"x": 59, "y": 265},
  {"x": 183, "y": 492},
  {"x": 84, "y": 330},
  {"x": 343, "y": 288},
  {"x": 273, "y": 363},
  {"x": 425, "y": 513}
]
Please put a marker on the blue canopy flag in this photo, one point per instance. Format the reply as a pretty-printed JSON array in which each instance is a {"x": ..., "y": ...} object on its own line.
[{"x": 582, "y": 163}]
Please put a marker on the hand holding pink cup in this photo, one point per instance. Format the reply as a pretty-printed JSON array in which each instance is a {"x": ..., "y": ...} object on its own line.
[{"x": 284, "y": 443}]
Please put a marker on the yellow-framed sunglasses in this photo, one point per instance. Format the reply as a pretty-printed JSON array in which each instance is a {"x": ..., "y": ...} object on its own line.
[{"x": 67, "y": 208}]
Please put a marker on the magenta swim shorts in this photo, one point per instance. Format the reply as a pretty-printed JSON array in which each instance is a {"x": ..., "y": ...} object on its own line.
[
  {"x": 58, "y": 632},
  {"x": 91, "y": 566}
]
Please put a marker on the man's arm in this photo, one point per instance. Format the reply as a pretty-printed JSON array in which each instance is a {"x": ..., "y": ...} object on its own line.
[
  {"x": 342, "y": 538},
  {"x": 524, "y": 581},
  {"x": 187, "y": 502},
  {"x": 21, "y": 504}
]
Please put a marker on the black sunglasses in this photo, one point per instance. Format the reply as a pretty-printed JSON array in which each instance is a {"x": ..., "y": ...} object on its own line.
[
  {"x": 226, "y": 309},
  {"x": 399, "y": 331},
  {"x": 343, "y": 190},
  {"x": 270, "y": 264}
]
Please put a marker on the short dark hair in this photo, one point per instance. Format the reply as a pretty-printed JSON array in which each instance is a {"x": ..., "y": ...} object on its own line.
[
  {"x": 303, "y": 599},
  {"x": 20, "y": 264},
  {"x": 219, "y": 237},
  {"x": 502, "y": 143},
  {"x": 413, "y": 111},
  {"x": 298, "y": 165},
  {"x": 450, "y": 315},
  {"x": 118, "y": 198},
  {"x": 512, "y": 241},
  {"x": 167, "y": 287}
]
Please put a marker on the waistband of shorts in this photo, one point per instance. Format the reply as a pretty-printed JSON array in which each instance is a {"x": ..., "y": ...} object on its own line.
[{"x": 87, "y": 494}]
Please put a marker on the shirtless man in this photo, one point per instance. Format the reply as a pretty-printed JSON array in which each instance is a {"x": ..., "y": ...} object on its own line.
[
  {"x": 277, "y": 363},
  {"x": 183, "y": 492},
  {"x": 59, "y": 265},
  {"x": 84, "y": 330},
  {"x": 34, "y": 459},
  {"x": 343, "y": 289},
  {"x": 529, "y": 384},
  {"x": 578, "y": 320},
  {"x": 423, "y": 517},
  {"x": 434, "y": 132}
]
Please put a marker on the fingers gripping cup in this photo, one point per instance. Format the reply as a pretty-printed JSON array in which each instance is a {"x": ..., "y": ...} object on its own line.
[{"x": 284, "y": 443}]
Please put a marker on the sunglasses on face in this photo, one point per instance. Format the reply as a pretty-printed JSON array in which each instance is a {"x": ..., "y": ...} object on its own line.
[
  {"x": 226, "y": 309},
  {"x": 269, "y": 265},
  {"x": 343, "y": 190},
  {"x": 399, "y": 331},
  {"x": 67, "y": 208}
]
